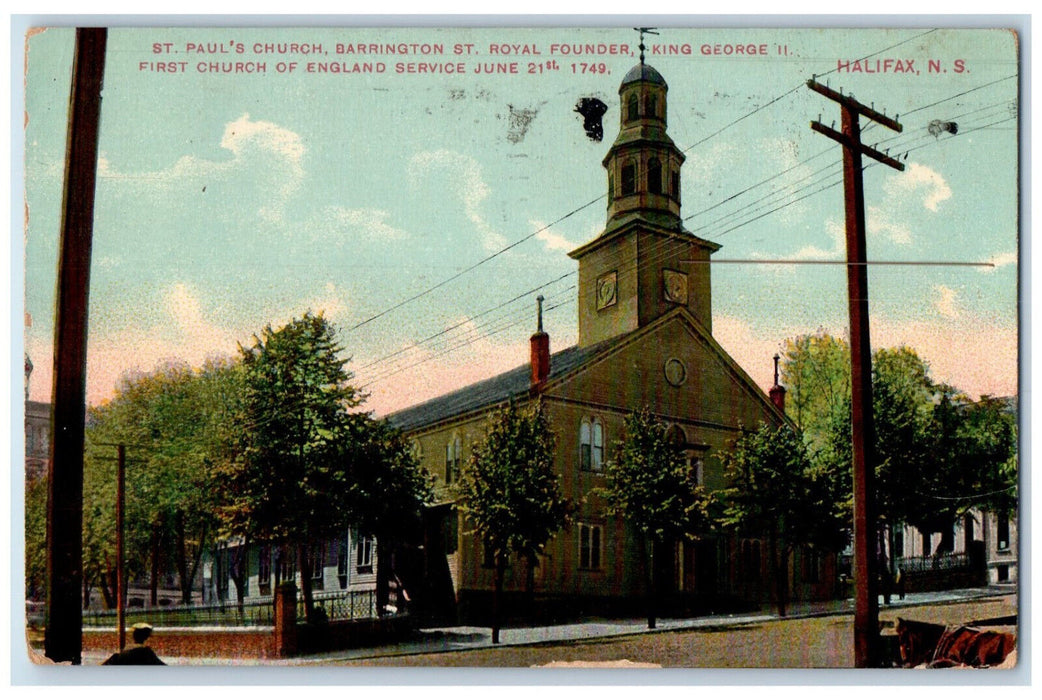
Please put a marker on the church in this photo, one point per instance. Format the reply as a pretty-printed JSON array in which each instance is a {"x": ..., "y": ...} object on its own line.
[{"x": 645, "y": 340}]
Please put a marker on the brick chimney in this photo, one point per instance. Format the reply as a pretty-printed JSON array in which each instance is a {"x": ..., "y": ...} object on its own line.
[
  {"x": 777, "y": 392},
  {"x": 540, "y": 343}
]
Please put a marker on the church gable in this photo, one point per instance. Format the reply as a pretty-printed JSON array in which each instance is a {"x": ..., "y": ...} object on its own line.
[{"x": 675, "y": 369}]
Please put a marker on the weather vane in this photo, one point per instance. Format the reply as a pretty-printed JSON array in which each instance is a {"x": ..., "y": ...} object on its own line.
[{"x": 643, "y": 31}]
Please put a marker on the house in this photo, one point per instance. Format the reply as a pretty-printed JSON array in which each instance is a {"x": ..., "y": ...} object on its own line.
[{"x": 645, "y": 340}]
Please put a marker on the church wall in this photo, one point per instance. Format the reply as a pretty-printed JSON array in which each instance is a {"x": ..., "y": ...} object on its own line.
[{"x": 607, "y": 318}]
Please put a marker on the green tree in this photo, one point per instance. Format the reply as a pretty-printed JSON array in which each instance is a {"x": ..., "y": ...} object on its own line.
[
  {"x": 651, "y": 484},
  {"x": 511, "y": 494},
  {"x": 775, "y": 491},
  {"x": 286, "y": 480},
  {"x": 389, "y": 491},
  {"x": 815, "y": 370},
  {"x": 167, "y": 419}
]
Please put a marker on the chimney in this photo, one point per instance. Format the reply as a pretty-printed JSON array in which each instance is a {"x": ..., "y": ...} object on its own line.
[
  {"x": 777, "y": 392},
  {"x": 540, "y": 343}
]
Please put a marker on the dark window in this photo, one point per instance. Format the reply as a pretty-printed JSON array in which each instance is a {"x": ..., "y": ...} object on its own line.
[
  {"x": 650, "y": 106},
  {"x": 629, "y": 179},
  {"x": 584, "y": 445},
  {"x": 589, "y": 546},
  {"x": 1002, "y": 532},
  {"x": 363, "y": 554},
  {"x": 343, "y": 559},
  {"x": 655, "y": 176},
  {"x": 453, "y": 451},
  {"x": 899, "y": 542},
  {"x": 597, "y": 453},
  {"x": 611, "y": 188},
  {"x": 284, "y": 565},
  {"x": 264, "y": 570},
  {"x": 317, "y": 564},
  {"x": 675, "y": 186},
  {"x": 631, "y": 108},
  {"x": 1002, "y": 572}
]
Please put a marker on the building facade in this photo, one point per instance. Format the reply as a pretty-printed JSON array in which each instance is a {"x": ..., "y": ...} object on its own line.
[{"x": 645, "y": 341}]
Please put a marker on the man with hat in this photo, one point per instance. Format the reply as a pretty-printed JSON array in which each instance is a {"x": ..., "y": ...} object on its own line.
[{"x": 138, "y": 654}]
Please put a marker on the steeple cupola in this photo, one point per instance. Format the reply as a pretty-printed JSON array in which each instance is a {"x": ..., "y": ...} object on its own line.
[{"x": 643, "y": 164}]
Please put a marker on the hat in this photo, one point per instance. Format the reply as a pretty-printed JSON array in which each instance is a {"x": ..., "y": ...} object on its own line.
[{"x": 141, "y": 626}]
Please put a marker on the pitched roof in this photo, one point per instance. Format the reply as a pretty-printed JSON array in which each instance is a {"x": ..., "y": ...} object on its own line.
[{"x": 510, "y": 384}]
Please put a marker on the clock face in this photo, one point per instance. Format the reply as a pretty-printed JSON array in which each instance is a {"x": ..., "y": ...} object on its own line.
[
  {"x": 674, "y": 286},
  {"x": 607, "y": 290}
]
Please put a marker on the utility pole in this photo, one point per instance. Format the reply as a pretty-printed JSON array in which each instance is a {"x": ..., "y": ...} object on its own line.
[
  {"x": 63, "y": 636},
  {"x": 866, "y": 601},
  {"x": 121, "y": 566}
]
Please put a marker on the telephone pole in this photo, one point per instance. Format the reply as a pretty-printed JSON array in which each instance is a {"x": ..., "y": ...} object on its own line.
[
  {"x": 866, "y": 601},
  {"x": 64, "y": 625}
]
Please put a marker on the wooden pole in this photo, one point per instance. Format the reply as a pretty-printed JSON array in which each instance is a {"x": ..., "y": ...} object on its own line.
[
  {"x": 121, "y": 570},
  {"x": 866, "y": 601},
  {"x": 64, "y": 624}
]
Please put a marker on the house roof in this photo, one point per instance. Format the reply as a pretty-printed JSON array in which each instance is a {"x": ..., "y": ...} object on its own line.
[{"x": 509, "y": 384}]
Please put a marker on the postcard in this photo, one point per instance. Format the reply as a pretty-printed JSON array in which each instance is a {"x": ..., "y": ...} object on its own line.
[{"x": 507, "y": 346}]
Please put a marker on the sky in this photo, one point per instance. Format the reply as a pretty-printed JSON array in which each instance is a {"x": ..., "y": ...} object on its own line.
[{"x": 422, "y": 212}]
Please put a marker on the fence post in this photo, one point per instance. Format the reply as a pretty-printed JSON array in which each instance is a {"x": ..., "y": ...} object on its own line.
[{"x": 286, "y": 619}]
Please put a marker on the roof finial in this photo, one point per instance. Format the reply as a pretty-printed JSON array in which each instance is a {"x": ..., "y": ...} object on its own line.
[
  {"x": 539, "y": 312},
  {"x": 643, "y": 31}
]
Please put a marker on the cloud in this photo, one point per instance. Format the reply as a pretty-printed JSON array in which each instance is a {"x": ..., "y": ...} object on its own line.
[
  {"x": 878, "y": 223},
  {"x": 243, "y": 135},
  {"x": 367, "y": 223},
  {"x": 260, "y": 149},
  {"x": 466, "y": 182},
  {"x": 916, "y": 179},
  {"x": 552, "y": 241},
  {"x": 945, "y": 301}
]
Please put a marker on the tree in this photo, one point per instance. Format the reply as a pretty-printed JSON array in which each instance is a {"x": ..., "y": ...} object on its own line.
[
  {"x": 286, "y": 480},
  {"x": 774, "y": 490},
  {"x": 815, "y": 369},
  {"x": 511, "y": 494},
  {"x": 652, "y": 485},
  {"x": 388, "y": 491},
  {"x": 168, "y": 420}
]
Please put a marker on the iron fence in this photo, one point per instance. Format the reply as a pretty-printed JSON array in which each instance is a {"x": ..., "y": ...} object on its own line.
[
  {"x": 228, "y": 614},
  {"x": 343, "y": 605},
  {"x": 340, "y": 605},
  {"x": 948, "y": 561}
]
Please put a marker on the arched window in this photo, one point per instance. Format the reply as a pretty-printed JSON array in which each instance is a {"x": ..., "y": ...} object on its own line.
[
  {"x": 611, "y": 187},
  {"x": 585, "y": 444},
  {"x": 675, "y": 186},
  {"x": 651, "y": 106},
  {"x": 591, "y": 445},
  {"x": 631, "y": 108},
  {"x": 654, "y": 175},
  {"x": 597, "y": 453},
  {"x": 629, "y": 179},
  {"x": 453, "y": 452}
]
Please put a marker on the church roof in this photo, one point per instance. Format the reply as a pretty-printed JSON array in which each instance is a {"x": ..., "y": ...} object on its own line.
[
  {"x": 510, "y": 384},
  {"x": 642, "y": 71}
]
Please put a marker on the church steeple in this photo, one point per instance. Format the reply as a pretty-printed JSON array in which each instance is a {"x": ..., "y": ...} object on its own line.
[
  {"x": 643, "y": 164},
  {"x": 644, "y": 264}
]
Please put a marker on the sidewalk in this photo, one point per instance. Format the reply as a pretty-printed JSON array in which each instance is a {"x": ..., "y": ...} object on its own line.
[{"x": 463, "y": 637}]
